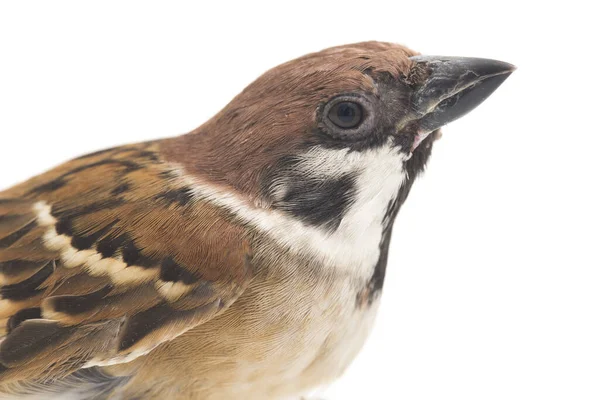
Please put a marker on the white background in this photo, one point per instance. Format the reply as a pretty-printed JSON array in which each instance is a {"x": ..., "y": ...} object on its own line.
[{"x": 493, "y": 289}]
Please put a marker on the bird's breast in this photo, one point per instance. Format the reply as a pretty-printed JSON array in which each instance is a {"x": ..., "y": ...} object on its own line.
[{"x": 294, "y": 329}]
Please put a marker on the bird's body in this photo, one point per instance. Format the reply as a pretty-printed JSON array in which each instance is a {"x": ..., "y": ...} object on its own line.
[
  {"x": 288, "y": 340},
  {"x": 242, "y": 260},
  {"x": 279, "y": 352}
]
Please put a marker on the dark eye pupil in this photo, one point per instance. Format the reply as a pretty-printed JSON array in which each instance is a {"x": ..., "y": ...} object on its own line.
[{"x": 346, "y": 114}]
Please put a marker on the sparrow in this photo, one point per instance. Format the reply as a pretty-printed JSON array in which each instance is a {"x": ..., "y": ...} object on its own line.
[{"x": 244, "y": 259}]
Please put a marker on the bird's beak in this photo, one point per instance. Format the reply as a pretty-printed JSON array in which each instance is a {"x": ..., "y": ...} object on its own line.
[{"x": 454, "y": 86}]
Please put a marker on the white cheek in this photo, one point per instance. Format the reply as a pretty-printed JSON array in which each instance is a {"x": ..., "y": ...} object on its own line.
[
  {"x": 380, "y": 175},
  {"x": 353, "y": 248}
]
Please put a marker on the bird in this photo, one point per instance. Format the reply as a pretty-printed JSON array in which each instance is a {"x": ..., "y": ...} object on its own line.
[{"x": 243, "y": 259}]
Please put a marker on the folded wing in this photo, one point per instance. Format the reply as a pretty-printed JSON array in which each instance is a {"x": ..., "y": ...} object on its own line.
[{"x": 106, "y": 257}]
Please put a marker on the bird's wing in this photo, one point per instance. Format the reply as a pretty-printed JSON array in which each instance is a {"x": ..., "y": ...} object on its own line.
[{"x": 106, "y": 257}]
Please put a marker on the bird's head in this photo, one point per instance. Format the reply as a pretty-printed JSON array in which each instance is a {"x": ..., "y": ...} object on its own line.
[{"x": 331, "y": 137}]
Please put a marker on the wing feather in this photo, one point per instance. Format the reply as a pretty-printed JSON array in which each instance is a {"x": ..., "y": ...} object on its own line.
[{"x": 106, "y": 257}]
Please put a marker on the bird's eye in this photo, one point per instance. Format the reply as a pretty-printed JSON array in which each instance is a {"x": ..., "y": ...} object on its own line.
[
  {"x": 346, "y": 114},
  {"x": 348, "y": 117}
]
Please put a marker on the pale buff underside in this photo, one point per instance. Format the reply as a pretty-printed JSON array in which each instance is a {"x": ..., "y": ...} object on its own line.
[{"x": 270, "y": 344}]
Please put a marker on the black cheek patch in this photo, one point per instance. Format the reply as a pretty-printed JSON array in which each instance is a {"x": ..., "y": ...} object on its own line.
[{"x": 318, "y": 202}]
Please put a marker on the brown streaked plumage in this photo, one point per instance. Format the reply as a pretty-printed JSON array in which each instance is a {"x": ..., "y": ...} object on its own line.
[
  {"x": 244, "y": 259},
  {"x": 105, "y": 216}
]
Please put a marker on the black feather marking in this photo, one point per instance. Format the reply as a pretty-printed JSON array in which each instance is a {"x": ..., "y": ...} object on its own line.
[
  {"x": 376, "y": 282},
  {"x": 81, "y": 242},
  {"x": 148, "y": 154},
  {"x": 17, "y": 235},
  {"x": 17, "y": 267},
  {"x": 145, "y": 322},
  {"x": 132, "y": 255},
  {"x": 180, "y": 196},
  {"x": 74, "y": 305},
  {"x": 122, "y": 188},
  {"x": 129, "y": 166},
  {"x": 109, "y": 245},
  {"x": 21, "y": 316},
  {"x": 170, "y": 271},
  {"x": 414, "y": 166},
  {"x": 64, "y": 227},
  {"x": 318, "y": 202},
  {"x": 169, "y": 174},
  {"x": 29, "y": 287},
  {"x": 49, "y": 186}
]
